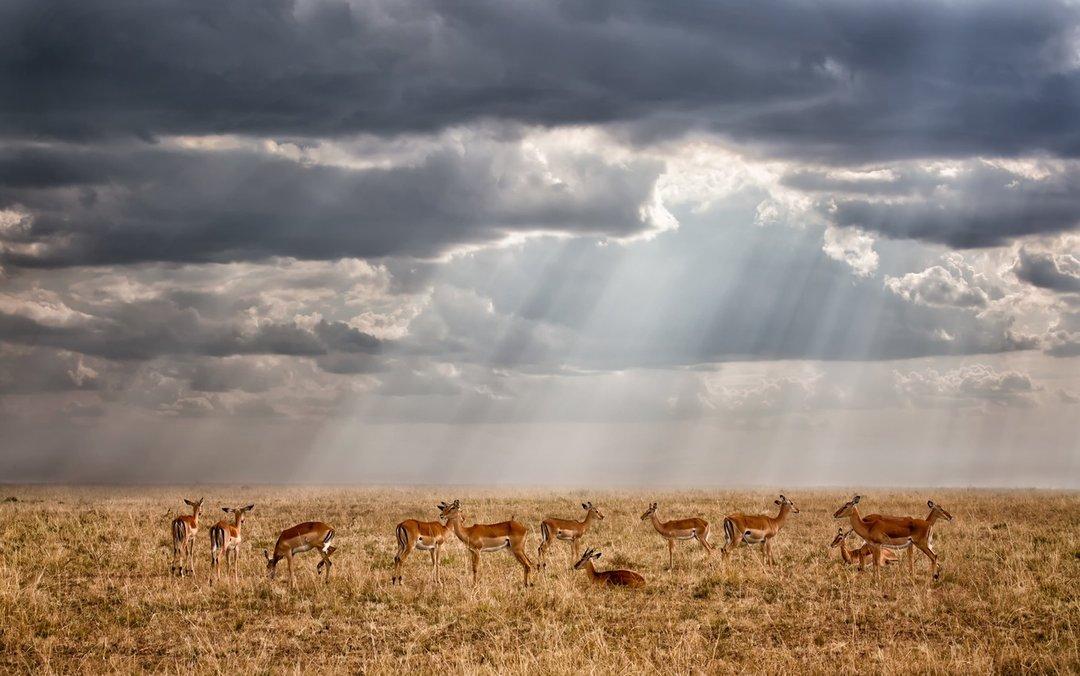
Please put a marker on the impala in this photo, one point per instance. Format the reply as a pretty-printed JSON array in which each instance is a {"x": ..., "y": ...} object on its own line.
[
  {"x": 895, "y": 532},
  {"x": 184, "y": 530},
  {"x": 298, "y": 539},
  {"x": 849, "y": 555},
  {"x": 618, "y": 578},
  {"x": 756, "y": 529},
  {"x": 488, "y": 538},
  {"x": 427, "y": 536},
  {"x": 566, "y": 530},
  {"x": 225, "y": 537},
  {"x": 680, "y": 529}
]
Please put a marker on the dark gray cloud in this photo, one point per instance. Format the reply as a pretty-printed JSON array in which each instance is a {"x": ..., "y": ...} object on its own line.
[{"x": 1048, "y": 270}]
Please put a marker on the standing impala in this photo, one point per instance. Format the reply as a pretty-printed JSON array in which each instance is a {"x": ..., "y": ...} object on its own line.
[
  {"x": 618, "y": 578},
  {"x": 225, "y": 537},
  {"x": 566, "y": 530},
  {"x": 680, "y": 529},
  {"x": 184, "y": 530},
  {"x": 298, "y": 539},
  {"x": 860, "y": 554},
  {"x": 895, "y": 532},
  {"x": 756, "y": 529},
  {"x": 488, "y": 538},
  {"x": 427, "y": 536}
]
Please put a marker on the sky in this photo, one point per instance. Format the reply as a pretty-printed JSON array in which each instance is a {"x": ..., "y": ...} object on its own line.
[{"x": 581, "y": 243}]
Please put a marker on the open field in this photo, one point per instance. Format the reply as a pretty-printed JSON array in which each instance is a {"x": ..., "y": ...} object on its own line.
[{"x": 84, "y": 586}]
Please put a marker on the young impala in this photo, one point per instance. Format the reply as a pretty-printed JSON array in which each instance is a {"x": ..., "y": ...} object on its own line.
[
  {"x": 298, "y": 539},
  {"x": 851, "y": 555},
  {"x": 225, "y": 537},
  {"x": 427, "y": 536},
  {"x": 618, "y": 578},
  {"x": 756, "y": 529},
  {"x": 895, "y": 532},
  {"x": 488, "y": 538},
  {"x": 566, "y": 530},
  {"x": 184, "y": 530},
  {"x": 680, "y": 529}
]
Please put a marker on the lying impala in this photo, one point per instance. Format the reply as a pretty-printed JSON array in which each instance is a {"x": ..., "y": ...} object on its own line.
[
  {"x": 756, "y": 529},
  {"x": 566, "y": 530},
  {"x": 618, "y": 578},
  {"x": 184, "y": 529},
  {"x": 298, "y": 539},
  {"x": 225, "y": 537},
  {"x": 895, "y": 532},
  {"x": 860, "y": 554},
  {"x": 427, "y": 536},
  {"x": 488, "y": 538},
  {"x": 680, "y": 529}
]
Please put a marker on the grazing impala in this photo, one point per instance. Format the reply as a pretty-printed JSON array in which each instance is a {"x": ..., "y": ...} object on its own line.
[
  {"x": 756, "y": 529},
  {"x": 566, "y": 530},
  {"x": 680, "y": 529},
  {"x": 298, "y": 539},
  {"x": 617, "y": 578},
  {"x": 860, "y": 554},
  {"x": 427, "y": 536},
  {"x": 225, "y": 537},
  {"x": 184, "y": 530},
  {"x": 895, "y": 532},
  {"x": 488, "y": 538}
]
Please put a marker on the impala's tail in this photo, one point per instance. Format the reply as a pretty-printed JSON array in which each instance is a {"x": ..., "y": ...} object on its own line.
[
  {"x": 179, "y": 534},
  {"x": 402, "y": 541},
  {"x": 729, "y": 533},
  {"x": 217, "y": 539}
]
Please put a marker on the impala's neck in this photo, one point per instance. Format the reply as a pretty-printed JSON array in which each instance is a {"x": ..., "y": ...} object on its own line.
[
  {"x": 590, "y": 570},
  {"x": 845, "y": 553},
  {"x": 857, "y": 524},
  {"x": 933, "y": 517},
  {"x": 195, "y": 517},
  {"x": 655, "y": 520},
  {"x": 454, "y": 522},
  {"x": 589, "y": 518},
  {"x": 782, "y": 516},
  {"x": 237, "y": 522}
]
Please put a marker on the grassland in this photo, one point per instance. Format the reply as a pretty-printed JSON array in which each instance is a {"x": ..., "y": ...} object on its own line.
[{"x": 84, "y": 587}]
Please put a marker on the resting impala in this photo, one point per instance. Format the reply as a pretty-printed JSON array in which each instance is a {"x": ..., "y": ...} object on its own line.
[
  {"x": 225, "y": 537},
  {"x": 681, "y": 529},
  {"x": 756, "y": 529},
  {"x": 860, "y": 554},
  {"x": 566, "y": 530},
  {"x": 618, "y": 578},
  {"x": 427, "y": 536},
  {"x": 298, "y": 539},
  {"x": 488, "y": 538},
  {"x": 895, "y": 532},
  {"x": 184, "y": 530}
]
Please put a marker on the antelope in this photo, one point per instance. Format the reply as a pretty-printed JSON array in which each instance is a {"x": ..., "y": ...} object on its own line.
[
  {"x": 566, "y": 530},
  {"x": 298, "y": 539},
  {"x": 225, "y": 537},
  {"x": 427, "y": 536},
  {"x": 617, "y": 578},
  {"x": 488, "y": 538},
  {"x": 184, "y": 529},
  {"x": 849, "y": 555},
  {"x": 681, "y": 529},
  {"x": 756, "y": 529},
  {"x": 895, "y": 532}
]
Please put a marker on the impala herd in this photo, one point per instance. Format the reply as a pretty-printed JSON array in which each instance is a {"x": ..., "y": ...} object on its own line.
[{"x": 883, "y": 537}]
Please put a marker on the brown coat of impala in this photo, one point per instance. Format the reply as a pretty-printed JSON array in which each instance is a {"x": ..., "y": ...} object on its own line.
[
  {"x": 301, "y": 538},
  {"x": 614, "y": 578},
  {"x": 427, "y": 536},
  {"x": 566, "y": 530},
  {"x": 184, "y": 530},
  {"x": 225, "y": 538},
  {"x": 679, "y": 529},
  {"x": 756, "y": 529},
  {"x": 488, "y": 537},
  {"x": 895, "y": 532},
  {"x": 850, "y": 556}
]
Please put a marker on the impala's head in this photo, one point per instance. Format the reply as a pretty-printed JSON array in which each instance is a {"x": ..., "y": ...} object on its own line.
[
  {"x": 589, "y": 507},
  {"x": 935, "y": 508},
  {"x": 240, "y": 513},
  {"x": 784, "y": 501},
  {"x": 649, "y": 512},
  {"x": 589, "y": 554},
  {"x": 271, "y": 563},
  {"x": 841, "y": 535},
  {"x": 447, "y": 510},
  {"x": 846, "y": 508},
  {"x": 196, "y": 505}
]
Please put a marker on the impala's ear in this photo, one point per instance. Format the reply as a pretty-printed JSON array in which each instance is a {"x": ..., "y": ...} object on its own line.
[
  {"x": 597, "y": 555},
  {"x": 249, "y": 508},
  {"x": 855, "y": 500},
  {"x": 930, "y": 504},
  {"x": 782, "y": 498},
  {"x": 584, "y": 506},
  {"x": 776, "y": 502},
  {"x": 266, "y": 553},
  {"x": 189, "y": 502},
  {"x": 457, "y": 503},
  {"x": 226, "y": 509}
]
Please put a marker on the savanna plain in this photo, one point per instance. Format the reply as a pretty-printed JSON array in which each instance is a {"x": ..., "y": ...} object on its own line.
[{"x": 85, "y": 587}]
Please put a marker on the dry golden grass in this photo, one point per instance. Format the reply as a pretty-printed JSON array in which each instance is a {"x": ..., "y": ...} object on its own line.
[{"x": 84, "y": 586}]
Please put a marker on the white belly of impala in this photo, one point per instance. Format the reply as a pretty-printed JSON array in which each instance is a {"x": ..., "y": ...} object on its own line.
[{"x": 494, "y": 544}]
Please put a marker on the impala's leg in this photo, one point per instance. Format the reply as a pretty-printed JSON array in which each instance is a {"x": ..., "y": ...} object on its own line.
[
  {"x": 523, "y": 559},
  {"x": 768, "y": 552},
  {"x": 876, "y": 551},
  {"x": 191, "y": 555},
  {"x": 545, "y": 542},
  {"x": 704, "y": 542},
  {"x": 437, "y": 553},
  {"x": 933, "y": 558},
  {"x": 671, "y": 554},
  {"x": 474, "y": 557},
  {"x": 911, "y": 561},
  {"x": 288, "y": 560},
  {"x": 576, "y": 548},
  {"x": 405, "y": 547}
]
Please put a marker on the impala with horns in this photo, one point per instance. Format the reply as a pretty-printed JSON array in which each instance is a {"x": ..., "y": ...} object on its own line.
[
  {"x": 225, "y": 539},
  {"x": 679, "y": 529},
  {"x": 895, "y": 532},
  {"x": 427, "y": 536},
  {"x": 184, "y": 530},
  {"x": 488, "y": 538},
  {"x": 756, "y": 529},
  {"x": 615, "y": 578},
  {"x": 566, "y": 530},
  {"x": 850, "y": 556},
  {"x": 302, "y": 538}
]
